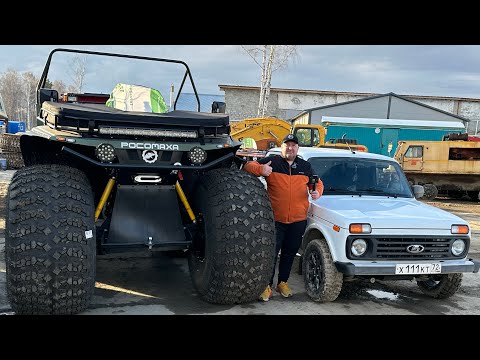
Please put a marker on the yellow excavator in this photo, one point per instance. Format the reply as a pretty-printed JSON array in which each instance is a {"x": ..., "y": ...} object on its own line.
[{"x": 267, "y": 132}]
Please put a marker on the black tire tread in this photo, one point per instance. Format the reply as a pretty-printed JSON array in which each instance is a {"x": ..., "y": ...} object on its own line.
[
  {"x": 446, "y": 287},
  {"x": 332, "y": 279},
  {"x": 49, "y": 261},
  {"x": 431, "y": 192},
  {"x": 244, "y": 231}
]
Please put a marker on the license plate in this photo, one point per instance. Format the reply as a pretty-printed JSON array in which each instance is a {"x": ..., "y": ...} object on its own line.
[{"x": 409, "y": 269}]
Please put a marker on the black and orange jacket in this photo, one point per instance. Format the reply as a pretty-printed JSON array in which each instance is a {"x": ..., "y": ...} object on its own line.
[{"x": 287, "y": 186}]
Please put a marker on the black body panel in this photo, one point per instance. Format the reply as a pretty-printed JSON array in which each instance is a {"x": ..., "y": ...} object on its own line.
[{"x": 141, "y": 212}]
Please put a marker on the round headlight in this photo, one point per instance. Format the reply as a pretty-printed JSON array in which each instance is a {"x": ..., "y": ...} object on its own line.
[
  {"x": 359, "y": 246},
  {"x": 105, "y": 153},
  {"x": 197, "y": 155},
  {"x": 458, "y": 247}
]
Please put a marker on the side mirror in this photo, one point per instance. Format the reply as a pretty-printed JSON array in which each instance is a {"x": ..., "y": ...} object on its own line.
[
  {"x": 44, "y": 94},
  {"x": 418, "y": 191},
  {"x": 47, "y": 95},
  {"x": 218, "y": 107}
]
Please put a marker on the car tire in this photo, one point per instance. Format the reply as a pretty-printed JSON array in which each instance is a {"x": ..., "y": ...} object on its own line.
[
  {"x": 323, "y": 282},
  {"x": 441, "y": 286},
  {"x": 431, "y": 192}
]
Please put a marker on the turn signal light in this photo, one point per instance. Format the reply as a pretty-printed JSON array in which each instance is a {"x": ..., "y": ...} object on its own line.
[
  {"x": 459, "y": 229},
  {"x": 360, "y": 228}
]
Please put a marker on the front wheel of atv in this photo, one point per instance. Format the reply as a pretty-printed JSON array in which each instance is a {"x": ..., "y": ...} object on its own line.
[
  {"x": 441, "y": 286},
  {"x": 231, "y": 257},
  {"x": 50, "y": 241}
]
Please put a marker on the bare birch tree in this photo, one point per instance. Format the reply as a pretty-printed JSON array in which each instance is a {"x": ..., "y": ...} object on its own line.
[
  {"x": 11, "y": 87},
  {"x": 60, "y": 86},
  {"x": 30, "y": 82},
  {"x": 19, "y": 94},
  {"x": 78, "y": 67},
  {"x": 274, "y": 57}
]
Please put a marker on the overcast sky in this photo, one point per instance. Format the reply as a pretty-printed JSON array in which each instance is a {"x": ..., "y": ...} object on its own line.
[{"x": 439, "y": 70}]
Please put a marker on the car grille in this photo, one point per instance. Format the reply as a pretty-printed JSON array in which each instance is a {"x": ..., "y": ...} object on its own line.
[{"x": 393, "y": 247}]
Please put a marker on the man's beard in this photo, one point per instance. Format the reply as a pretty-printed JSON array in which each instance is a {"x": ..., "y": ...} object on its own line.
[{"x": 289, "y": 156}]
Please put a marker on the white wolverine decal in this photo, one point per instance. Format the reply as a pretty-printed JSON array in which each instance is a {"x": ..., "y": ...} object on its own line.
[
  {"x": 149, "y": 156},
  {"x": 132, "y": 145}
]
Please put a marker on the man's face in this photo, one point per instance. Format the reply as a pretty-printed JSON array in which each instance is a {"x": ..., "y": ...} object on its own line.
[{"x": 289, "y": 150}]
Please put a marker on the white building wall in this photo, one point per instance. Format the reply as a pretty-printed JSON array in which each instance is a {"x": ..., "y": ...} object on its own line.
[
  {"x": 469, "y": 109},
  {"x": 242, "y": 103}
]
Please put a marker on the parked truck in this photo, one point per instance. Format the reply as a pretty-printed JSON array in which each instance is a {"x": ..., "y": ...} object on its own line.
[
  {"x": 268, "y": 133},
  {"x": 450, "y": 166}
]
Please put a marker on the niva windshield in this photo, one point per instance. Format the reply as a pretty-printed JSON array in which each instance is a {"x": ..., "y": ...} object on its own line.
[{"x": 349, "y": 176}]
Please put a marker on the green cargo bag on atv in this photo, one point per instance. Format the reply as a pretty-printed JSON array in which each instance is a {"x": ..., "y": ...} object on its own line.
[{"x": 136, "y": 98}]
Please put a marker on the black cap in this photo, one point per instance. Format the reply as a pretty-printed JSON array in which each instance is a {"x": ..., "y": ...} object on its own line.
[{"x": 290, "y": 137}]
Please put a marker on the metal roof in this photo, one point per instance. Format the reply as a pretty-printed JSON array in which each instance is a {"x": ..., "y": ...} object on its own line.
[
  {"x": 398, "y": 122},
  {"x": 351, "y": 93},
  {"x": 379, "y": 96}
]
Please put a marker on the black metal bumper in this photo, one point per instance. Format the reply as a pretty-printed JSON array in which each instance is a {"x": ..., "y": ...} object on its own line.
[
  {"x": 388, "y": 267},
  {"x": 147, "y": 167}
]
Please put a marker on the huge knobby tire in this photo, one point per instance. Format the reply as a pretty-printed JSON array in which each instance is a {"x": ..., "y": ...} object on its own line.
[
  {"x": 441, "y": 286},
  {"x": 323, "y": 282},
  {"x": 231, "y": 259},
  {"x": 50, "y": 241}
]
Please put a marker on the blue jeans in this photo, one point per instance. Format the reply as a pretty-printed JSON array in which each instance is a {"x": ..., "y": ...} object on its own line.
[{"x": 288, "y": 240}]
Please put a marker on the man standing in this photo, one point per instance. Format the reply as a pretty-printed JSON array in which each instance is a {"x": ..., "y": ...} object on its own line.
[{"x": 287, "y": 178}]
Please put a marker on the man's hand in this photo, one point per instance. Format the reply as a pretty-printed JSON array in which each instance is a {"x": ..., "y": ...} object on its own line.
[
  {"x": 315, "y": 194},
  {"x": 266, "y": 169}
]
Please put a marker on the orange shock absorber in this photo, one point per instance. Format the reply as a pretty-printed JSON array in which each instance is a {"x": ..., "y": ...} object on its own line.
[
  {"x": 184, "y": 200},
  {"x": 103, "y": 199}
]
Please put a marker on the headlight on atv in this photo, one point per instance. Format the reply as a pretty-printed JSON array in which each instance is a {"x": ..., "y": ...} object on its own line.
[
  {"x": 458, "y": 247},
  {"x": 197, "y": 155},
  {"x": 105, "y": 153}
]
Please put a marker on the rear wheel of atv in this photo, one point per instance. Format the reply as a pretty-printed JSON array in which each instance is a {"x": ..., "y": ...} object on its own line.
[
  {"x": 323, "y": 282},
  {"x": 231, "y": 257},
  {"x": 431, "y": 191},
  {"x": 441, "y": 286},
  {"x": 50, "y": 241}
]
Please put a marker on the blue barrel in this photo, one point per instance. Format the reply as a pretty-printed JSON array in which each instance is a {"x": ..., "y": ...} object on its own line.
[{"x": 16, "y": 126}]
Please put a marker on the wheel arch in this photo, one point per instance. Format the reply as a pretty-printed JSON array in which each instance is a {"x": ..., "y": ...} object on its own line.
[
  {"x": 37, "y": 150},
  {"x": 313, "y": 233}
]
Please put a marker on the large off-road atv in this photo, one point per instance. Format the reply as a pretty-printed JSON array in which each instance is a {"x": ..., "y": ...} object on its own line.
[{"x": 99, "y": 180}]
